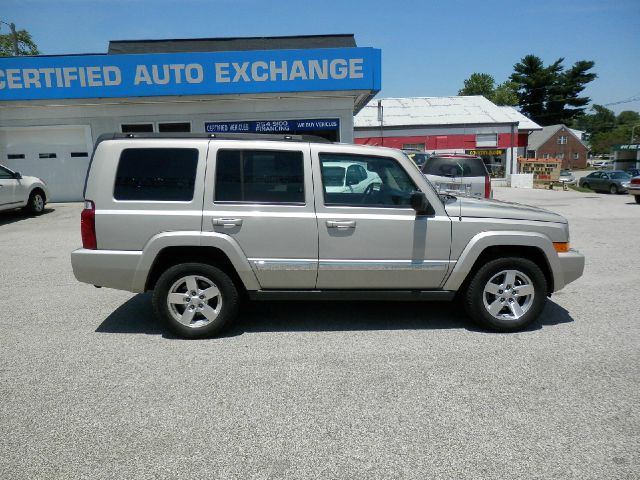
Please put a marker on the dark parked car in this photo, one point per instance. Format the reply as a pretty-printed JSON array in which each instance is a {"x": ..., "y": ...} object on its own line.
[
  {"x": 417, "y": 156},
  {"x": 614, "y": 181},
  {"x": 634, "y": 172}
]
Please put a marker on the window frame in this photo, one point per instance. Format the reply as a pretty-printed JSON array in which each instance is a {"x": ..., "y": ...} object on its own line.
[
  {"x": 563, "y": 139},
  {"x": 253, "y": 202},
  {"x": 357, "y": 156}
]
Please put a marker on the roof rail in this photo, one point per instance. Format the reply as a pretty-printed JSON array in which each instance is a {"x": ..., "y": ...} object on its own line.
[{"x": 221, "y": 136}]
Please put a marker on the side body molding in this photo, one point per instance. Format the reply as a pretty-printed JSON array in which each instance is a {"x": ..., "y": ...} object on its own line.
[
  {"x": 185, "y": 239},
  {"x": 483, "y": 240}
]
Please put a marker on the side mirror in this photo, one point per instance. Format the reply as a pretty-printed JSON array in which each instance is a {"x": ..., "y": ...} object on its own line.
[
  {"x": 17, "y": 175},
  {"x": 419, "y": 203}
]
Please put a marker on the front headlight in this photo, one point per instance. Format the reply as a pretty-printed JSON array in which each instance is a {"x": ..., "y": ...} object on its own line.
[{"x": 625, "y": 184}]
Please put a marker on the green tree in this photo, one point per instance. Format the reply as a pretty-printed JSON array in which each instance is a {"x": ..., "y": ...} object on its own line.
[
  {"x": 478, "y": 84},
  {"x": 484, "y": 84},
  {"x": 26, "y": 45},
  {"x": 628, "y": 117},
  {"x": 601, "y": 120},
  {"x": 505, "y": 94},
  {"x": 550, "y": 94}
]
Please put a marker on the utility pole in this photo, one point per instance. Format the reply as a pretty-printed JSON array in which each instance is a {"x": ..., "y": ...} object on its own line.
[{"x": 14, "y": 35}]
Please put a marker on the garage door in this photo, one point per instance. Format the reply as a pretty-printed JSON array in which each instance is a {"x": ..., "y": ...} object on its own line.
[{"x": 57, "y": 154}]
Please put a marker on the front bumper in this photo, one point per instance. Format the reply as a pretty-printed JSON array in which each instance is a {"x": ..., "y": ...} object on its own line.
[{"x": 571, "y": 267}]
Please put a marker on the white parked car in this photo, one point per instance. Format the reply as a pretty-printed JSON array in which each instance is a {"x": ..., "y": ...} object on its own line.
[
  {"x": 349, "y": 177},
  {"x": 17, "y": 191}
]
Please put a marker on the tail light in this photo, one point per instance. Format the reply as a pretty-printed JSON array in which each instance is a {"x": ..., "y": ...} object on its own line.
[
  {"x": 487, "y": 187},
  {"x": 88, "y": 226},
  {"x": 635, "y": 181}
]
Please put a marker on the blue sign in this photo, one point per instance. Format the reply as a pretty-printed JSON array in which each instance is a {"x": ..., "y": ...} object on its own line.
[
  {"x": 202, "y": 73},
  {"x": 273, "y": 126}
]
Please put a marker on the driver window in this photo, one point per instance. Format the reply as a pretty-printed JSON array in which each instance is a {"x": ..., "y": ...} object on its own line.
[
  {"x": 4, "y": 173},
  {"x": 357, "y": 180}
]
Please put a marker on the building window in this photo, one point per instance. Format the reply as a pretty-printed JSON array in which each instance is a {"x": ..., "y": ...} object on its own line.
[
  {"x": 47, "y": 155},
  {"x": 560, "y": 156},
  {"x": 545, "y": 156},
  {"x": 79, "y": 154},
  {"x": 576, "y": 156},
  {"x": 413, "y": 146},
  {"x": 487, "y": 140},
  {"x": 15, "y": 156},
  {"x": 161, "y": 174},
  {"x": 259, "y": 176},
  {"x": 562, "y": 140},
  {"x": 174, "y": 127},
  {"x": 137, "y": 128}
]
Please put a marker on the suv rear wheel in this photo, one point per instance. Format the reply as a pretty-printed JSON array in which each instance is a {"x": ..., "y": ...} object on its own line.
[
  {"x": 506, "y": 294},
  {"x": 195, "y": 300}
]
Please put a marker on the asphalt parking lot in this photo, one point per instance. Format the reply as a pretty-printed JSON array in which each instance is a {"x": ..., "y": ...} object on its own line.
[{"x": 92, "y": 387}]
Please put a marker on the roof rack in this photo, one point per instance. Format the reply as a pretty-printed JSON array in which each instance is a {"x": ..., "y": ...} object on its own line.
[{"x": 221, "y": 136}]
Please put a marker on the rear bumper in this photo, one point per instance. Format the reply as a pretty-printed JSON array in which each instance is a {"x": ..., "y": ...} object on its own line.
[
  {"x": 107, "y": 268},
  {"x": 633, "y": 190},
  {"x": 571, "y": 267}
]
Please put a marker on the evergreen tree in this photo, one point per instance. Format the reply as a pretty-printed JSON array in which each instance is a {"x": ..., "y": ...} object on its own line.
[{"x": 550, "y": 94}]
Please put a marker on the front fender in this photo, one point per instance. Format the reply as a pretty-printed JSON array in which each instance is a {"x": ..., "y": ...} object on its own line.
[{"x": 483, "y": 240}]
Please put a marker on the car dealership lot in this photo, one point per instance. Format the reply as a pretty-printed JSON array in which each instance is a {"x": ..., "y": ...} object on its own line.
[{"x": 92, "y": 387}]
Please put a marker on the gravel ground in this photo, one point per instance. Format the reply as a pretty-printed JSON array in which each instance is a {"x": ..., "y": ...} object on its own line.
[{"x": 92, "y": 387}]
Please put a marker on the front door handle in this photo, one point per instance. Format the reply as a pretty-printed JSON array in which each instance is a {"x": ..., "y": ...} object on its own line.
[
  {"x": 341, "y": 224},
  {"x": 227, "y": 222}
]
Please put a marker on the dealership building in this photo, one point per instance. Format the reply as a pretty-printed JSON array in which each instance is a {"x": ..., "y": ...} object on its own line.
[
  {"x": 53, "y": 108},
  {"x": 464, "y": 124}
]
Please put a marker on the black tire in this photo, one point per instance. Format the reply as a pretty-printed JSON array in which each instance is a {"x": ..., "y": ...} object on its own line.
[
  {"x": 585, "y": 185},
  {"x": 613, "y": 189},
  {"x": 36, "y": 203},
  {"x": 637, "y": 197},
  {"x": 474, "y": 297},
  {"x": 226, "y": 301}
]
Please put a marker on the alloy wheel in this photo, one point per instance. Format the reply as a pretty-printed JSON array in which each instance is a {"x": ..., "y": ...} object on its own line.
[
  {"x": 194, "y": 301},
  {"x": 508, "y": 295}
]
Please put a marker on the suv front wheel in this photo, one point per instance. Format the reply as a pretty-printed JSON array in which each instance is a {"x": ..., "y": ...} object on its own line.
[
  {"x": 506, "y": 294},
  {"x": 195, "y": 300}
]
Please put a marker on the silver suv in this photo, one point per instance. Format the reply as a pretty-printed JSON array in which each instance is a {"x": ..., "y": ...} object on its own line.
[
  {"x": 458, "y": 174},
  {"x": 206, "y": 221}
]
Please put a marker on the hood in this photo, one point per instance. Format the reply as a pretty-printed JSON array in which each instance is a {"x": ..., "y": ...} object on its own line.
[{"x": 481, "y": 208}]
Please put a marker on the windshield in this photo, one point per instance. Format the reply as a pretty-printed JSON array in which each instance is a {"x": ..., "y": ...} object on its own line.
[
  {"x": 333, "y": 176},
  {"x": 565, "y": 173},
  {"x": 455, "y": 166}
]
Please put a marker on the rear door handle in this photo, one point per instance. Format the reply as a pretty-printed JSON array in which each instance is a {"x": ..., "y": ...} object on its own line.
[
  {"x": 341, "y": 224},
  {"x": 227, "y": 222}
]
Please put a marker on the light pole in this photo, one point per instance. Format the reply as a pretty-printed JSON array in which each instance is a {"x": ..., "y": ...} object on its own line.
[{"x": 14, "y": 36}]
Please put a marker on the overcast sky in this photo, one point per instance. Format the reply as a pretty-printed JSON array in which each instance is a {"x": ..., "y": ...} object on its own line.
[{"x": 428, "y": 47}]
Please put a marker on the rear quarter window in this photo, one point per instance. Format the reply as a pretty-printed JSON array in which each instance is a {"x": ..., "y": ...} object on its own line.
[
  {"x": 160, "y": 174},
  {"x": 452, "y": 166}
]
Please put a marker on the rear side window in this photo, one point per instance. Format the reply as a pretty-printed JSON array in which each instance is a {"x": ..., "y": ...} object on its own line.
[
  {"x": 163, "y": 174},
  {"x": 452, "y": 166},
  {"x": 259, "y": 176}
]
